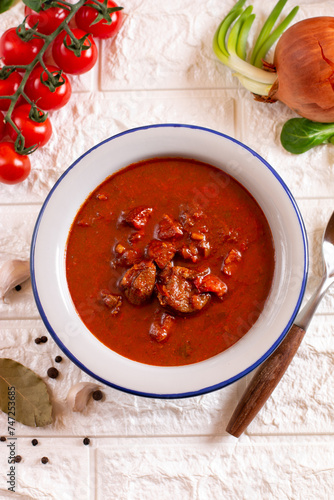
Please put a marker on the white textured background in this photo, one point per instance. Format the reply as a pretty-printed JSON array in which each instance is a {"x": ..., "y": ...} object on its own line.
[{"x": 161, "y": 68}]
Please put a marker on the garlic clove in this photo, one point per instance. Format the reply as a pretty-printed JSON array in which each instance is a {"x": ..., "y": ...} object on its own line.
[
  {"x": 78, "y": 396},
  {"x": 13, "y": 273}
]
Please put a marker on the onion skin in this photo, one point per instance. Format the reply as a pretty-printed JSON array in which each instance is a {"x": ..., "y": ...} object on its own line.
[{"x": 304, "y": 61}]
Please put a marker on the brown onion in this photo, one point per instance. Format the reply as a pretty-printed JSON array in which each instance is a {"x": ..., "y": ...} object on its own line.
[{"x": 304, "y": 61}]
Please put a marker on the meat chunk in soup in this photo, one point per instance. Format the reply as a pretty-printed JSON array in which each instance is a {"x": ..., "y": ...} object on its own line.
[
  {"x": 211, "y": 283},
  {"x": 169, "y": 229},
  {"x": 231, "y": 262},
  {"x": 161, "y": 327},
  {"x": 189, "y": 252},
  {"x": 126, "y": 257},
  {"x": 137, "y": 217},
  {"x": 162, "y": 252},
  {"x": 111, "y": 301},
  {"x": 138, "y": 282},
  {"x": 176, "y": 290}
]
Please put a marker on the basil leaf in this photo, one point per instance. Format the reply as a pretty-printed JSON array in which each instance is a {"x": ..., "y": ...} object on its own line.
[
  {"x": 23, "y": 395},
  {"x": 299, "y": 134},
  {"x": 33, "y": 4},
  {"x": 7, "y": 4}
]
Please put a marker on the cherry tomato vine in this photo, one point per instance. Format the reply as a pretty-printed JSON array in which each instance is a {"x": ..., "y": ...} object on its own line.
[{"x": 27, "y": 80}]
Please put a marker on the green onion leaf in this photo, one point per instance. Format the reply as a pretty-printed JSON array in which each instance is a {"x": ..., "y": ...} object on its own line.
[
  {"x": 267, "y": 27},
  {"x": 223, "y": 29},
  {"x": 261, "y": 54},
  {"x": 243, "y": 35},
  {"x": 235, "y": 30},
  {"x": 230, "y": 45}
]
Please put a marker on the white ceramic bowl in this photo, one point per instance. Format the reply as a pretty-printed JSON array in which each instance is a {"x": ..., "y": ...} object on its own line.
[{"x": 80, "y": 179}]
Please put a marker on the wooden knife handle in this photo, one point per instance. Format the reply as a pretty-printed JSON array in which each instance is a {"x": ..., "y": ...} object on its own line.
[{"x": 265, "y": 381}]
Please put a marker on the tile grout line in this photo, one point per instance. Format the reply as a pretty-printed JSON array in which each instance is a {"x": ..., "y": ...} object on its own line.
[{"x": 153, "y": 437}]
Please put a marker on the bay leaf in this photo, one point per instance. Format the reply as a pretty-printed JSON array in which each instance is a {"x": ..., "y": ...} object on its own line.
[{"x": 32, "y": 404}]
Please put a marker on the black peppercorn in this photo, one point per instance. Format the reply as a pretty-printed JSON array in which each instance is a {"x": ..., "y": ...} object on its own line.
[
  {"x": 34, "y": 442},
  {"x": 2, "y": 438},
  {"x": 53, "y": 372},
  {"x": 86, "y": 441},
  {"x": 44, "y": 339},
  {"x": 97, "y": 395},
  {"x": 38, "y": 340},
  {"x": 44, "y": 460},
  {"x": 58, "y": 359},
  {"x": 18, "y": 459}
]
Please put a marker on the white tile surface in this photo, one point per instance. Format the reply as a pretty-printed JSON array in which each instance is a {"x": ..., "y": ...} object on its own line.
[
  {"x": 65, "y": 476},
  {"x": 161, "y": 68},
  {"x": 219, "y": 470}
]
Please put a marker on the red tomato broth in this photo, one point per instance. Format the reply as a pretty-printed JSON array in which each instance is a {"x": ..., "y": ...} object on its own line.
[{"x": 165, "y": 184}]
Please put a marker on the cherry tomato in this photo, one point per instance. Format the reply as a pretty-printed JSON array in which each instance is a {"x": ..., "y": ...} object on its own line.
[
  {"x": 39, "y": 93},
  {"x": 48, "y": 20},
  {"x": 14, "y": 167},
  {"x": 8, "y": 87},
  {"x": 86, "y": 16},
  {"x": 15, "y": 51},
  {"x": 2, "y": 125},
  {"x": 67, "y": 60},
  {"x": 33, "y": 132}
]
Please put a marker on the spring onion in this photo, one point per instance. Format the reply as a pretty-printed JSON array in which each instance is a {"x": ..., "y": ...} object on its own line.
[{"x": 230, "y": 45}]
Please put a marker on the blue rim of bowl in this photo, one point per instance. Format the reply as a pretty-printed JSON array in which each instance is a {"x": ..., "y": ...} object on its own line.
[{"x": 211, "y": 388}]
